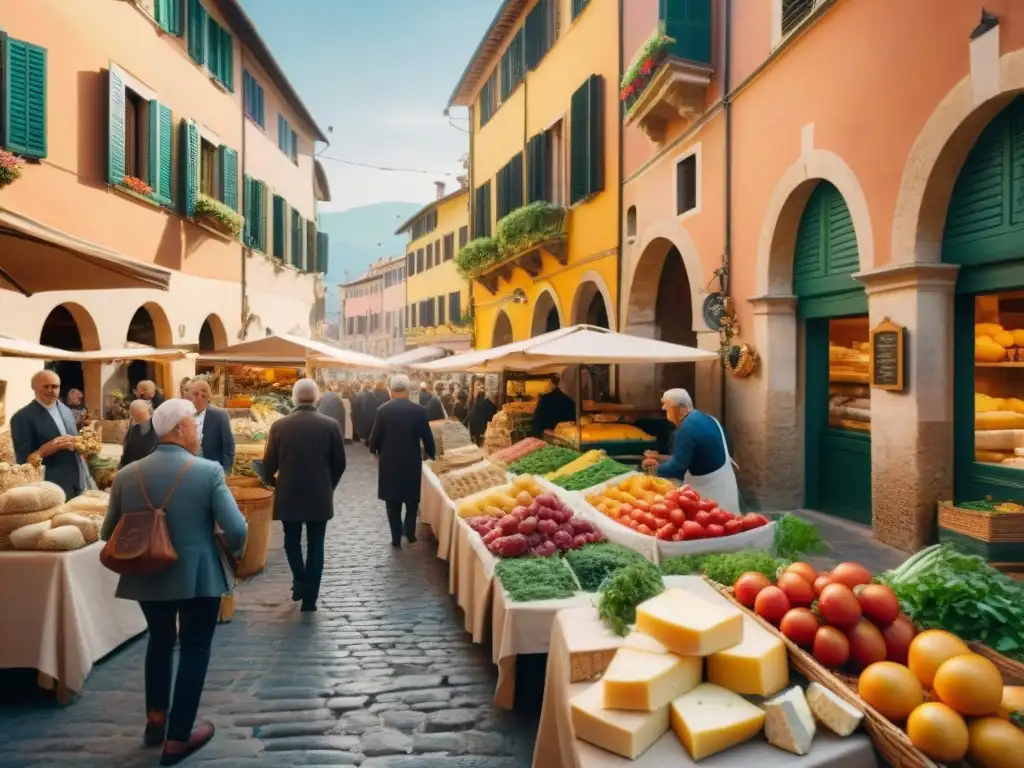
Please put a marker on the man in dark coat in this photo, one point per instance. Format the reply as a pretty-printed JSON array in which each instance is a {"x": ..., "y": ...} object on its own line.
[
  {"x": 366, "y": 408},
  {"x": 400, "y": 436},
  {"x": 304, "y": 460},
  {"x": 46, "y": 428},
  {"x": 331, "y": 405},
  {"x": 215, "y": 437},
  {"x": 553, "y": 407}
]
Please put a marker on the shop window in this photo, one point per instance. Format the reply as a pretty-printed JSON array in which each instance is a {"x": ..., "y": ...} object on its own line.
[
  {"x": 999, "y": 378},
  {"x": 849, "y": 390},
  {"x": 686, "y": 184},
  {"x": 449, "y": 246}
]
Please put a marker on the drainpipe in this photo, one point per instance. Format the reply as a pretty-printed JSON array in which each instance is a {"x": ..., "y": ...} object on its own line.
[
  {"x": 620, "y": 131},
  {"x": 727, "y": 107},
  {"x": 472, "y": 211},
  {"x": 241, "y": 197}
]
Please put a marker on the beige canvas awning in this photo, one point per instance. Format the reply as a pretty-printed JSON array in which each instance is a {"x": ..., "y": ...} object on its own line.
[
  {"x": 35, "y": 257},
  {"x": 11, "y": 347},
  {"x": 284, "y": 347}
]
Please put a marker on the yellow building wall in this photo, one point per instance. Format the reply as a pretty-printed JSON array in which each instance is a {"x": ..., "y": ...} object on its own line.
[
  {"x": 441, "y": 279},
  {"x": 586, "y": 46}
]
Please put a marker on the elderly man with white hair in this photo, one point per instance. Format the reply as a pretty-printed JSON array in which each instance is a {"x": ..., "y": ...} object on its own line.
[
  {"x": 304, "y": 460},
  {"x": 195, "y": 499},
  {"x": 400, "y": 436},
  {"x": 216, "y": 441},
  {"x": 701, "y": 455}
]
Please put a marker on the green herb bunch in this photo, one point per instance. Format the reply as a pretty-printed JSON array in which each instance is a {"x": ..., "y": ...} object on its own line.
[
  {"x": 535, "y": 578},
  {"x": 545, "y": 460},
  {"x": 725, "y": 567},
  {"x": 624, "y": 591},
  {"x": 593, "y": 475},
  {"x": 596, "y": 562},
  {"x": 795, "y": 537}
]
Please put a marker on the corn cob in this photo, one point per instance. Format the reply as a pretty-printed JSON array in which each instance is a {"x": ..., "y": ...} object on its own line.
[{"x": 587, "y": 459}]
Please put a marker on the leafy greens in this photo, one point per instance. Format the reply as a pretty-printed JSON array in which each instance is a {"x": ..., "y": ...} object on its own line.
[{"x": 624, "y": 591}]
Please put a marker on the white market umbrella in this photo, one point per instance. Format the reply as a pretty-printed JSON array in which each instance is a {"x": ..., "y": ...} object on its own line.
[
  {"x": 484, "y": 360},
  {"x": 11, "y": 347},
  {"x": 417, "y": 355},
  {"x": 292, "y": 350}
]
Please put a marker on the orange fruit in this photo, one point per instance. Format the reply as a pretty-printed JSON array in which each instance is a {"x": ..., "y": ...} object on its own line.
[
  {"x": 970, "y": 684},
  {"x": 995, "y": 743},
  {"x": 892, "y": 689},
  {"x": 929, "y": 650},
  {"x": 939, "y": 732},
  {"x": 1013, "y": 701}
]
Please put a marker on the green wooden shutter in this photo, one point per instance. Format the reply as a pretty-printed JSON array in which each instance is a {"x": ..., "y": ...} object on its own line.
[
  {"x": 279, "y": 221},
  {"x": 190, "y": 150},
  {"x": 311, "y": 243},
  {"x": 595, "y": 138},
  {"x": 115, "y": 127},
  {"x": 322, "y": 252},
  {"x": 578, "y": 6},
  {"x": 536, "y": 31},
  {"x": 261, "y": 197},
  {"x": 579, "y": 119},
  {"x": 247, "y": 208},
  {"x": 226, "y": 70},
  {"x": 24, "y": 89},
  {"x": 536, "y": 168},
  {"x": 516, "y": 182},
  {"x": 229, "y": 177},
  {"x": 688, "y": 22},
  {"x": 160, "y": 151},
  {"x": 168, "y": 16},
  {"x": 197, "y": 31},
  {"x": 296, "y": 239},
  {"x": 826, "y": 256}
]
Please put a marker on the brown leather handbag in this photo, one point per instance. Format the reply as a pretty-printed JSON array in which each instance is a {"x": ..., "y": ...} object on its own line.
[{"x": 141, "y": 544}]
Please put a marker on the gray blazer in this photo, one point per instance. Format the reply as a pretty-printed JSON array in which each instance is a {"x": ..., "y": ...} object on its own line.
[
  {"x": 201, "y": 500},
  {"x": 218, "y": 442}
]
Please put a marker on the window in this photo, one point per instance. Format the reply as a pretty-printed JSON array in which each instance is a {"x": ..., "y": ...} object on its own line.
[
  {"x": 24, "y": 97},
  {"x": 323, "y": 252},
  {"x": 512, "y": 65},
  {"x": 295, "y": 148},
  {"x": 489, "y": 98},
  {"x": 419, "y": 261},
  {"x": 577, "y": 7},
  {"x": 540, "y": 31},
  {"x": 463, "y": 237},
  {"x": 586, "y": 174},
  {"x": 424, "y": 224},
  {"x": 440, "y": 310},
  {"x": 208, "y": 169},
  {"x": 686, "y": 184},
  {"x": 554, "y": 159},
  {"x": 139, "y": 138},
  {"x": 794, "y": 12},
  {"x": 536, "y": 168},
  {"x": 449, "y": 246},
  {"x": 430, "y": 255},
  {"x": 280, "y": 217},
  {"x": 210, "y": 45},
  {"x": 134, "y": 135},
  {"x": 413, "y": 323},
  {"x": 631, "y": 221},
  {"x": 482, "y": 211},
  {"x": 252, "y": 99},
  {"x": 411, "y": 264},
  {"x": 287, "y": 140},
  {"x": 849, "y": 402},
  {"x": 255, "y": 195},
  {"x": 455, "y": 308},
  {"x": 167, "y": 14},
  {"x": 510, "y": 187}
]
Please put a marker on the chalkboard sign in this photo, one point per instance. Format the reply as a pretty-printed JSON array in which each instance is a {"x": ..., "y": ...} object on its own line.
[{"x": 887, "y": 356}]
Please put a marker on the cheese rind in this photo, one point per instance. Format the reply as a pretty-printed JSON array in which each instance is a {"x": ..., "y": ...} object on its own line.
[
  {"x": 627, "y": 734},
  {"x": 788, "y": 722},
  {"x": 637, "y": 680},
  {"x": 710, "y": 719},
  {"x": 689, "y": 625},
  {"x": 756, "y": 666},
  {"x": 835, "y": 713}
]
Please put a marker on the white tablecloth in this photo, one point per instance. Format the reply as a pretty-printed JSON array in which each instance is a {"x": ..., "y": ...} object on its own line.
[
  {"x": 436, "y": 511},
  {"x": 58, "y": 613}
]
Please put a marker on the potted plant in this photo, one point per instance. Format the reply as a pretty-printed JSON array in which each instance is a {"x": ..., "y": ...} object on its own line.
[
  {"x": 138, "y": 186},
  {"x": 531, "y": 225},
  {"x": 477, "y": 254},
  {"x": 643, "y": 67},
  {"x": 11, "y": 168},
  {"x": 216, "y": 215}
]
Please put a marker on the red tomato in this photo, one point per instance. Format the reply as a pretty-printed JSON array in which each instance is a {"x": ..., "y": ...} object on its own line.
[
  {"x": 706, "y": 505},
  {"x": 688, "y": 505},
  {"x": 643, "y": 506},
  {"x": 633, "y": 524},
  {"x": 752, "y": 520},
  {"x": 803, "y": 570},
  {"x": 799, "y": 591},
  {"x": 821, "y": 582},
  {"x": 771, "y": 604},
  {"x": 678, "y": 517},
  {"x": 644, "y": 530},
  {"x": 838, "y": 605},
  {"x": 898, "y": 637},
  {"x": 879, "y": 603},
  {"x": 636, "y": 514},
  {"x": 703, "y": 518},
  {"x": 831, "y": 647},
  {"x": 800, "y": 625},
  {"x": 651, "y": 521},
  {"x": 692, "y": 530},
  {"x": 851, "y": 574},
  {"x": 672, "y": 495},
  {"x": 626, "y": 510},
  {"x": 733, "y": 527},
  {"x": 866, "y": 644},
  {"x": 720, "y": 516},
  {"x": 715, "y": 531},
  {"x": 660, "y": 511},
  {"x": 678, "y": 536},
  {"x": 666, "y": 532},
  {"x": 748, "y": 586}
]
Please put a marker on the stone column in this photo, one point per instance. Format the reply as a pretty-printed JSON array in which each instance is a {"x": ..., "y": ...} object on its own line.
[
  {"x": 764, "y": 411},
  {"x": 912, "y": 431}
]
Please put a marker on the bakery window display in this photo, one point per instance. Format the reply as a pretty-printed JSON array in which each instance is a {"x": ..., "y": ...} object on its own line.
[
  {"x": 849, "y": 390},
  {"x": 999, "y": 379}
]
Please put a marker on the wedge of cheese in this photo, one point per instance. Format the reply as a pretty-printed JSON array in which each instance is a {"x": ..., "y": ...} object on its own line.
[
  {"x": 788, "y": 722},
  {"x": 709, "y": 719},
  {"x": 757, "y": 665},
  {"x": 641, "y": 642},
  {"x": 832, "y": 711},
  {"x": 638, "y": 680},
  {"x": 689, "y": 625},
  {"x": 627, "y": 734}
]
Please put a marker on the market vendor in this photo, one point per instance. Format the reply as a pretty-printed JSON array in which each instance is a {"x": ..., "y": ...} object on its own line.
[
  {"x": 701, "y": 456},
  {"x": 553, "y": 408}
]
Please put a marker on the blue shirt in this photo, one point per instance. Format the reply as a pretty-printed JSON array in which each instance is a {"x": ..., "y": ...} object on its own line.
[
  {"x": 57, "y": 418},
  {"x": 698, "y": 448}
]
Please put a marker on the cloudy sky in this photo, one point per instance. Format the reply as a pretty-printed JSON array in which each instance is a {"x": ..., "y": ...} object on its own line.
[{"x": 379, "y": 72}]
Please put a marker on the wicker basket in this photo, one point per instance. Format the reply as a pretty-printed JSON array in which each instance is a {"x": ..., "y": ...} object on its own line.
[
  {"x": 227, "y": 608},
  {"x": 257, "y": 506},
  {"x": 1011, "y": 669},
  {"x": 243, "y": 481},
  {"x": 891, "y": 741},
  {"x": 1003, "y": 527}
]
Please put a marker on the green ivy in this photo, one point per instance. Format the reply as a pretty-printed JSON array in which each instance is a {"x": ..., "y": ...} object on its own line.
[
  {"x": 651, "y": 49},
  {"x": 476, "y": 254},
  {"x": 231, "y": 220}
]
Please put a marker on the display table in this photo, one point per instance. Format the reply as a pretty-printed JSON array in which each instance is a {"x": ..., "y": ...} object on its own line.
[
  {"x": 471, "y": 577},
  {"x": 578, "y": 630},
  {"x": 436, "y": 511},
  {"x": 58, "y": 614}
]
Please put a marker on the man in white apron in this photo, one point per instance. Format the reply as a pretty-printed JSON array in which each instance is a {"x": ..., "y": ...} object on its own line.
[{"x": 700, "y": 456}]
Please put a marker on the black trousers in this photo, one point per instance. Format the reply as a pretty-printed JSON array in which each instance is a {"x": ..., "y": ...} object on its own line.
[
  {"x": 306, "y": 573},
  {"x": 394, "y": 510},
  {"x": 198, "y": 620}
]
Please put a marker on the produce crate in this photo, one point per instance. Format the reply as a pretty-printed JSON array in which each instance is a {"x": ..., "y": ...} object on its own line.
[
  {"x": 890, "y": 740},
  {"x": 994, "y": 552},
  {"x": 993, "y": 527}
]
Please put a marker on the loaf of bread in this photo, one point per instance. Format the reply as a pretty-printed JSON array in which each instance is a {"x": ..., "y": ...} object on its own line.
[
  {"x": 31, "y": 498},
  {"x": 998, "y": 420},
  {"x": 28, "y": 536},
  {"x": 62, "y": 539}
]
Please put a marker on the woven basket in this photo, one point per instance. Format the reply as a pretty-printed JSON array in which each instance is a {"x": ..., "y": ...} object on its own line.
[
  {"x": 227, "y": 608},
  {"x": 243, "y": 481},
  {"x": 257, "y": 506},
  {"x": 889, "y": 740},
  {"x": 1002, "y": 527}
]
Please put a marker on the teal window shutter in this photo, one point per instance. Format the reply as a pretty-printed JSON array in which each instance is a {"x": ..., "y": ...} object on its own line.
[
  {"x": 284, "y": 135},
  {"x": 160, "y": 151},
  {"x": 322, "y": 255},
  {"x": 294, "y": 145},
  {"x": 168, "y": 16},
  {"x": 115, "y": 127},
  {"x": 24, "y": 98},
  {"x": 190, "y": 165},
  {"x": 577, "y": 7},
  {"x": 311, "y": 242},
  {"x": 536, "y": 169},
  {"x": 280, "y": 219},
  {"x": 296, "y": 239},
  {"x": 197, "y": 31},
  {"x": 536, "y": 31},
  {"x": 250, "y": 211},
  {"x": 586, "y": 151},
  {"x": 252, "y": 96},
  {"x": 226, "y": 67},
  {"x": 229, "y": 177},
  {"x": 261, "y": 197},
  {"x": 688, "y": 22}
]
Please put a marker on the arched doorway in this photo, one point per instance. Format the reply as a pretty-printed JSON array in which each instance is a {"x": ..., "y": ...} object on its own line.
[
  {"x": 502, "y": 333},
  {"x": 545, "y": 315},
  {"x": 148, "y": 327},
  {"x": 833, "y": 310},
  {"x": 590, "y": 306},
  {"x": 70, "y": 327},
  {"x": 212, "y": 334}
]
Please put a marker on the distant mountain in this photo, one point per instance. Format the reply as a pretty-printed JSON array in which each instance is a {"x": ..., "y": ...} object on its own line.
[{"x": 360, "y": 236}]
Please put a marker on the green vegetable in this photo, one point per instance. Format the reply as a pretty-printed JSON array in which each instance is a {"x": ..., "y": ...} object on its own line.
[
  {"x": 593, "y": 475},
  {"x": 795, "y": 537},
  {"x": 543, "y": 461},
  {"x": 596, "y": 562},
  {"x": 723, "y": 567},
  {"x": 624, "y": 591},
  {"x": 535, "y": 578},
  {"x": 943, "y": 588}
]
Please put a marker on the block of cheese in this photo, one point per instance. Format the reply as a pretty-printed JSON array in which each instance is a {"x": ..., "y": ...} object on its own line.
[
  {"x": 788, "y": 722},
  {"x": 643, "y": 681},
  {"x": 998, "y": 420},
  {"x": 690, "y": 625},
  {"x": 832, "y": 711},
  {"x": 638, "y": 641},
  {"x": 757, "y": 665},
  {"x": 710, "y": 719},
  {"x": 998, "y": 439},
  {"x": 627, "y": 734}
]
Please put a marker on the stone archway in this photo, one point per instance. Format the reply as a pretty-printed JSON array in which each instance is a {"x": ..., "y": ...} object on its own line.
[
  {"x": 150, "y": 327},
  {"x": 592, "y": 302},
  {"x": 547, "y": 315},
  {"x": 502, "y": 332},
  {"x": 70, "y": 326},
  {"x": 212, "y": 334},
  {"x": 641, "y": 277}
]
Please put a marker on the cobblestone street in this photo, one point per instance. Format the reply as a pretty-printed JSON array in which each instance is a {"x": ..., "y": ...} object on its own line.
[{"x": 382, "y": 676}]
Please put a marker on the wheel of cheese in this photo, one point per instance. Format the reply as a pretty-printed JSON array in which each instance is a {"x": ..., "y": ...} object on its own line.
[
  {"x": 89, "y": 504},
  {"x": 31, "y": 498},
  {"x": 11, "y": 523},
  {"x": 28, "y": 536},
  {"x": 62, "y": 539},
  {"x": 89, "y": 526}
]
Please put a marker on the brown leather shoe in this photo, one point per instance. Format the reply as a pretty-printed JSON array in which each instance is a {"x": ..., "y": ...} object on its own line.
[
  {"x": 156, "y": 728},
  {"x": 176, "y": 751}
]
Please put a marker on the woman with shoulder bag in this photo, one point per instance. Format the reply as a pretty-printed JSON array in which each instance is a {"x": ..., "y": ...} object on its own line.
[{"x": 160, "y": 533}]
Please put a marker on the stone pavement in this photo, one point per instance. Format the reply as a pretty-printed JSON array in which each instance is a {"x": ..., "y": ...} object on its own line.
[{"x": 382, "y": 676}]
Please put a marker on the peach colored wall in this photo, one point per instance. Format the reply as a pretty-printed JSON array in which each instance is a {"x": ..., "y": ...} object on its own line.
[{"x": 369, "y": 303}]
